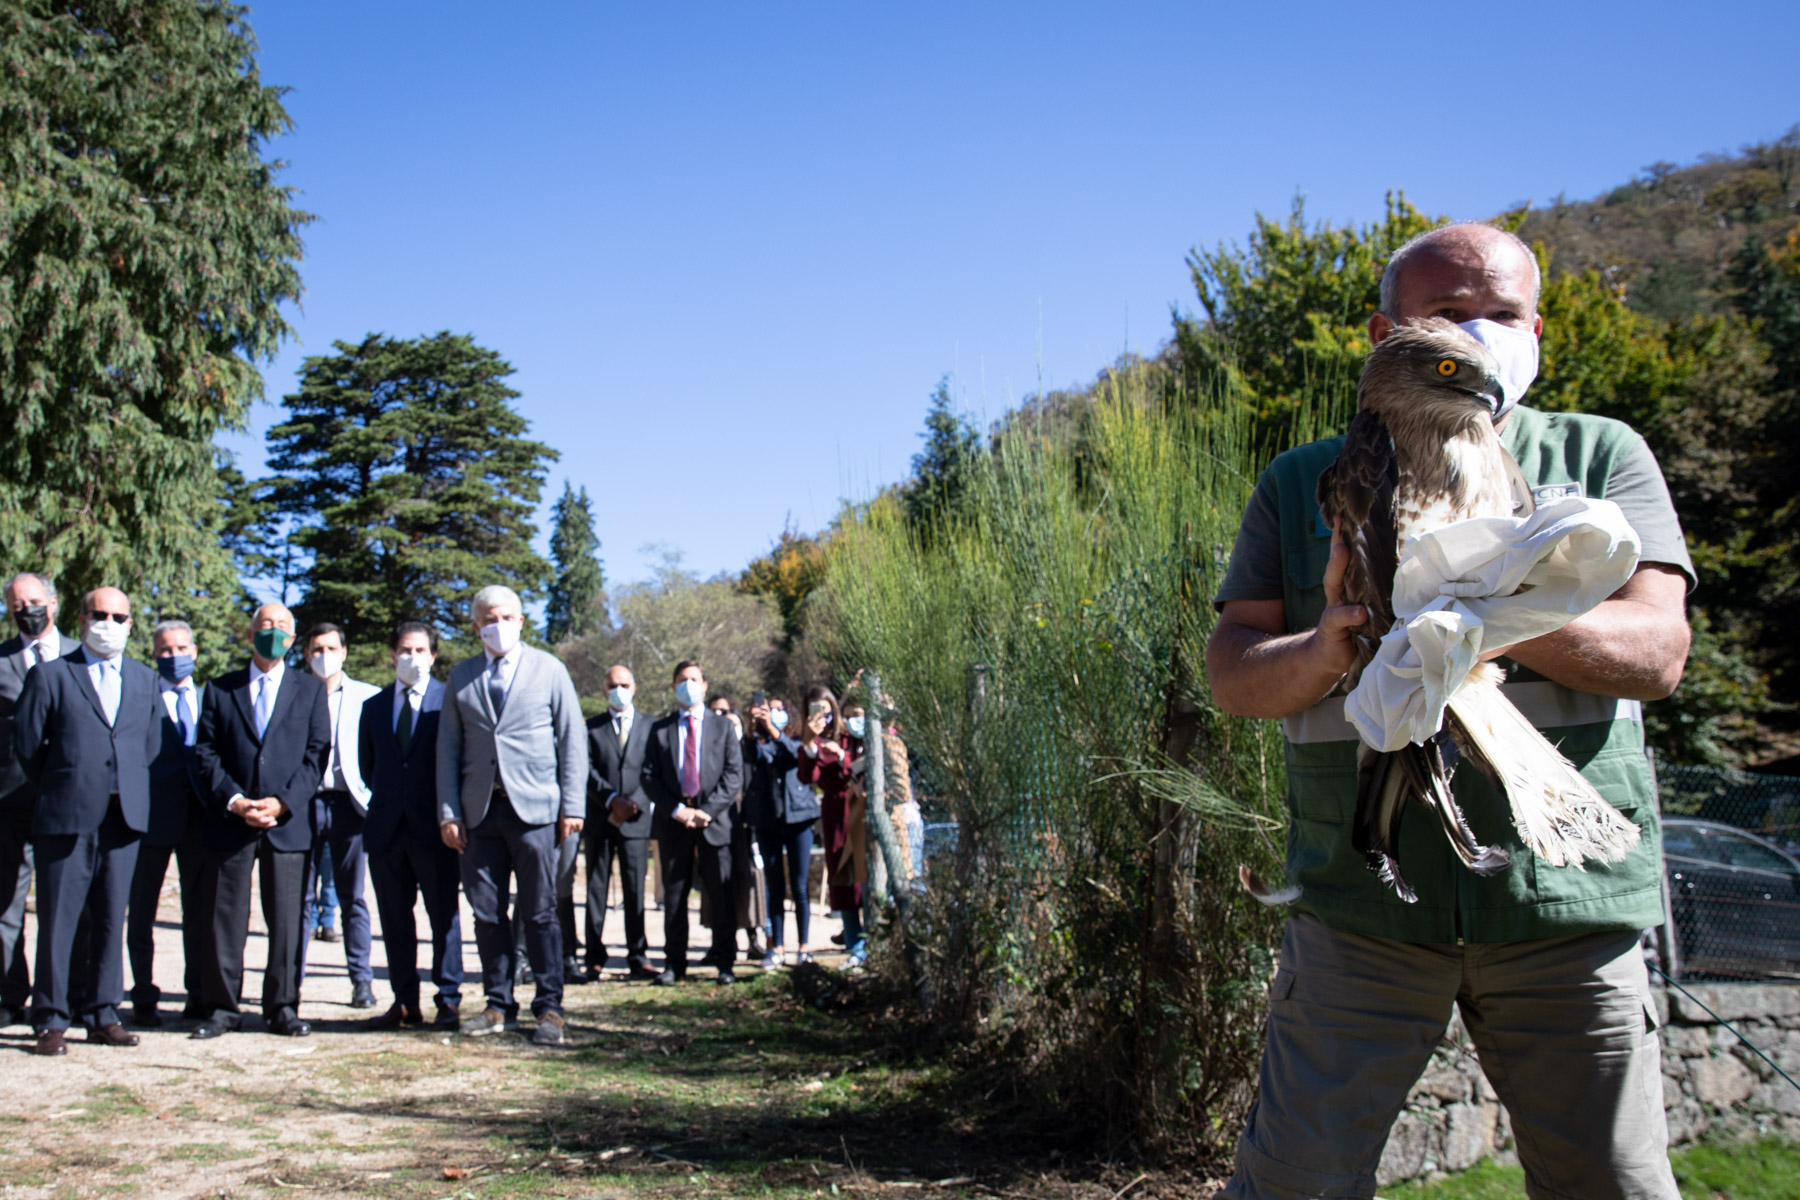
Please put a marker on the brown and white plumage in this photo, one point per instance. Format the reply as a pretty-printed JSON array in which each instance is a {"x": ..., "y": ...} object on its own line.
[{"x": 1421, "y": 453}]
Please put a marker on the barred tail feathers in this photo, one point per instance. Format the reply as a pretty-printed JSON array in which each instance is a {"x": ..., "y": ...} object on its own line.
[{"x": 1558, "y": 814}]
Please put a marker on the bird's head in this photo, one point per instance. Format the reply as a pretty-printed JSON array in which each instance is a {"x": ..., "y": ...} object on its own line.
[{"x": 1429, "y": 371}]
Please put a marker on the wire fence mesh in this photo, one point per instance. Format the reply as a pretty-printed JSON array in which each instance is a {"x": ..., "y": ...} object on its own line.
[{"x": 1730, "y": 840}]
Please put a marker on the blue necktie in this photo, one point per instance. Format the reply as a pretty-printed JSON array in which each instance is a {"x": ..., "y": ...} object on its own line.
[
  {"x": 184, "y": 714},
  {"x": 262, "y": 706}
]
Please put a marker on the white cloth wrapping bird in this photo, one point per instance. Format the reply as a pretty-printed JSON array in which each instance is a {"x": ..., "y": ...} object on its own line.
[{"x": 1480, "y": 583}]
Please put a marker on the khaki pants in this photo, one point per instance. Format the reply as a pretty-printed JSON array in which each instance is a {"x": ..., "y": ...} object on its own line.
[{"x": 1565, "y": 1030}]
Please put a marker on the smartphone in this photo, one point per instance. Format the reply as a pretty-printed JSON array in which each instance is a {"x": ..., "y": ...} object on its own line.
[{"x": 758, "y": 699}]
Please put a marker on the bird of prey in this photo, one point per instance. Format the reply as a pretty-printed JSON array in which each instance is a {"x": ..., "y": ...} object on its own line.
[{"x": 1421, "y": 453}]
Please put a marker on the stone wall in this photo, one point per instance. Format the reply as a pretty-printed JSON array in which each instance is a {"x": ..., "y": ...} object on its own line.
[{"x": 1712, "y": 1083}]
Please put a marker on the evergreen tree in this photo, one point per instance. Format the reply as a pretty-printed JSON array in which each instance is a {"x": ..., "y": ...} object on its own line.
[
  {"x": 944, "y": 469},
  {"x": 145, "y": 250},
  {"x": 405, "y": 472},
  {"x": 577, "y": 596}
]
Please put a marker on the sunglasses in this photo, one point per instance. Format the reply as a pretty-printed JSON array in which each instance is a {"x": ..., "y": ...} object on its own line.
[{"x": 121, "y": 618}]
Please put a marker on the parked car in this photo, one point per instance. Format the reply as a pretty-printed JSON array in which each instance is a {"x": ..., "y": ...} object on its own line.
[{"x": 1735, "y": 900}]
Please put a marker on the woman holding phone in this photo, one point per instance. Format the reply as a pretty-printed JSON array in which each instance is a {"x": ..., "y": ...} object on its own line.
[{"x": 824, "y": 765}]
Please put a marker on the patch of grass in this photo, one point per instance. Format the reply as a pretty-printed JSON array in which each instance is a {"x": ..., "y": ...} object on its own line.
[
  {"x": 205, "y": 1153},
  {"x": 110, "y": 1102},
  {"x": 1766, "y": 1169}
]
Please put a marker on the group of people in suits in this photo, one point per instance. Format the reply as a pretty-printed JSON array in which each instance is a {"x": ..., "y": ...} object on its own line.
[{"x": 478, "y": 786}]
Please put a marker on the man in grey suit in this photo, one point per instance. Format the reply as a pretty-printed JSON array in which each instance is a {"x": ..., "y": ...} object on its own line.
[
  {"x": 31, "y": 599},
  {"x": 512, "y": 785}
]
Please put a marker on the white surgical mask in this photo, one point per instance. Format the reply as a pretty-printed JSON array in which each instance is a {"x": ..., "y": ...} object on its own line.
[
  {"x": 106, "y": 638},
  {"x": 690, "y": 692},
  {"x": 501, "y": 636},
  {"x": 1516, "y": 352},
  {"x": 326, "y": 663},
  {"x": 856, "y": 726},
  {"x": 619, "y": 699},
  {"x": 778, "y": 718},
  {"x": 410, "y": 669}
]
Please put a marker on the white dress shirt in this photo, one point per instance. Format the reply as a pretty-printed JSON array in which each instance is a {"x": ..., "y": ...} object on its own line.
[
  {"x": 274, "y": 675},
  {"x": 42, "y": 649},
  {"x": 171, "y": 692},
  {"x": 681, "y": 723},
  {"x": 413, "y": 696},
  {"x": 108, "y": 682}
]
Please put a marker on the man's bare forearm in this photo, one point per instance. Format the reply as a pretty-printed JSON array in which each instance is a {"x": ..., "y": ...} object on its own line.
[
  {"x": 1257, "y": 674},
  {"x": 1623, "y": 648}
]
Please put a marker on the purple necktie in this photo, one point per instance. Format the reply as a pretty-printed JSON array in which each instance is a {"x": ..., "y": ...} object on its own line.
[{"x": 690, "y": 760}]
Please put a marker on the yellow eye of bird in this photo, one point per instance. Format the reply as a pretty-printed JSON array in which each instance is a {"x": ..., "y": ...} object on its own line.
[{"x": 1447, "y": 368}]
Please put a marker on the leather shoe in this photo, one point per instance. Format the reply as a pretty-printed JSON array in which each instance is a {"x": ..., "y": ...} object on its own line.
[
  {"x": 285, "y": 1026},
  {"x": 573, "y": 971},
  {"x": 726, "y": 978},
  {"x": 638, "y": 971},
  {"x": 207, "y": 1029},
  {"x": 146, "y": 1017},
  {"x": 447, "y": 1019},
  {"x": 10, "y": 1016},
  {"x": 326, "y": 933},
  {"x": 112, "y": 1035},
  {"x": 363, "y": 996},
  {"x": 395, "y": 1017},
  {"x": 667, "y": 979},
  {"x": 50, "y": 1043},
  {"x": 589, "y": 974}
]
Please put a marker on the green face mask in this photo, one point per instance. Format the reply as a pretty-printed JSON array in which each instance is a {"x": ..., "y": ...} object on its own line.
[{"x": 272, "y": 643}]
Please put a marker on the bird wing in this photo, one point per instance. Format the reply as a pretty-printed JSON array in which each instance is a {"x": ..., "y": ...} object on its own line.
[{"x": 1356, "y": 496}]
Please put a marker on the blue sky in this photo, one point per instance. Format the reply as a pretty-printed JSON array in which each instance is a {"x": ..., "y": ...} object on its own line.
[{"x": 731, "y": 249}]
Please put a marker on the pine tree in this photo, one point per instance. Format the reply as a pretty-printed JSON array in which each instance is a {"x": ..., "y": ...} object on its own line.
[
  {"x": 145, "y": 250},
  {"x": 943, "y": 470},
  {"x": 577, "y": 597},
  {"x": 404, "y": 469}
]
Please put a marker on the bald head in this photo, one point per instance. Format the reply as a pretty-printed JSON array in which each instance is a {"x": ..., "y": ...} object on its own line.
[
  {"x": 270, "y": 634},
  {"x": 1460, "y": 273}
]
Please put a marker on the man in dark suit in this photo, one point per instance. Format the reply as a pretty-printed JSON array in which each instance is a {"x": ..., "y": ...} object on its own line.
[
  {"x": 176, "y": 830},
  {"x": 696, "y": 764},
  {"x": 264, "y": 733},
  {"x": 31, "y": 599},
  {"x": 620, "y": 813},
  {"x": 407, "y": 857},
  {"x": 86, "y": 732}
]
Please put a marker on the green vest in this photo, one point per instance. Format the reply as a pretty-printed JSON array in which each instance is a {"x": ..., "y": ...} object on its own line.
[{"x": 1603, "y": 738}]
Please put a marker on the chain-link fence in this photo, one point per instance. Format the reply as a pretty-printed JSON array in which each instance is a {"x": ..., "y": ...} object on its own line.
[{"x": 1730, "y": 841}]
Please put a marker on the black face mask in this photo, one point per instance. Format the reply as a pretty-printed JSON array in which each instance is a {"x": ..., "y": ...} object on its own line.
[{"x": 32, "y": 619}]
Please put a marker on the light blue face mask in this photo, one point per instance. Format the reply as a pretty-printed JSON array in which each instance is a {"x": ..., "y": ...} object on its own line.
[
  {"x": 856, "y": 726},
  {"x": 690, "y": 692},
  {"x": 619, "y": 699},
  {"x": 778, "y": 718}
]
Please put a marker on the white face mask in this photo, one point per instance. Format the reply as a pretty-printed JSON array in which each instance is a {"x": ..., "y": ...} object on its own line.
[
  {"x": 856, "y": 726},
  {"x": 326, "y": 663},
  {"x": 501, "y": 636},
  {"x": 106, "y": 638},
  {"x": 1516, "y": 352},
  {"x": 411, "y": 669},
  {"x": 619, "y": 699}
]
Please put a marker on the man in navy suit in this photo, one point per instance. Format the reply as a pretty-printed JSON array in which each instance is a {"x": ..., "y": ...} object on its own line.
[
  {"x": 618, "y": 822},
  {"x": 264, "y": 733},
  {"x": 176, "y": 830},
  {"x": 407, "y": 855},
  {"x": 694, "y": 768},
  {"x": 86, "y": 732},
  {"x": 31, "y": 599}
]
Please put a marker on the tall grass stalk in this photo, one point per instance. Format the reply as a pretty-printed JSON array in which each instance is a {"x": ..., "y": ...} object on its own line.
[{"x": 1043, "y": 647}]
